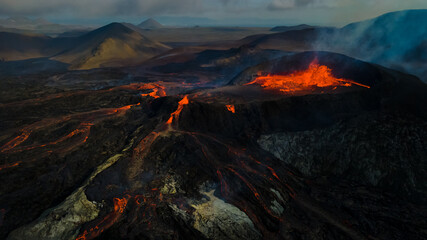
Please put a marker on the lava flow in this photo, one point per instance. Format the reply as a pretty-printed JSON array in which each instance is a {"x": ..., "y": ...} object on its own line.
[
  {"x": 175, "y": 115},
  {"x": 157, "y": 91},
  {"x": 231, "y": 108},
  {"x": 108, "y": 221},
  {"x": 316, "y": 76},
  {"x": 16, "y": 141},
  {"x": 4, "y": 166}
]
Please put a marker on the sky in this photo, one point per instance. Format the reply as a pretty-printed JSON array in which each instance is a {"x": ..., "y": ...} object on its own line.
[{"x": 207, "y": 12}]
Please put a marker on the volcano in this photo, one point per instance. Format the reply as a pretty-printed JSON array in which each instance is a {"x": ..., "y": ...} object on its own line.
[
  {"x": 294, "y": 146},
  {"x": 144, "y": 132}
]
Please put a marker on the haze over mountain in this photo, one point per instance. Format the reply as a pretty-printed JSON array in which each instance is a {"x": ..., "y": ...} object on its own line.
[
  {"x": 393, "y": 39},
  {"x": 150, "y": 24}
]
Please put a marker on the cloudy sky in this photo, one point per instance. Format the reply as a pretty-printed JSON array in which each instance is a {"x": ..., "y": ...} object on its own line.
[{"x": 208, "y": 12}]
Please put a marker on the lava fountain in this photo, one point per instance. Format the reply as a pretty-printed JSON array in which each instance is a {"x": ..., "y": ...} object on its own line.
[{"x": 315, "y": 76}]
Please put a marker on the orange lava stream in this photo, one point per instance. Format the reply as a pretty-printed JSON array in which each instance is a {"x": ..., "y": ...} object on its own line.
[
  {"x": 175, "y": 115},
  {"x": 89, "y": 117},
  {"x": 145, "y": 204},
  {"x": 108, "y": 221},
  {"x": 316, "y": 76},
  {"x": 231, "y": 108},
  {"x": 84, "y": 128},
  {"x": 157, "y": 91},
  {"x": 16, "y": 141},
  {"x": 4, "y": 166}
]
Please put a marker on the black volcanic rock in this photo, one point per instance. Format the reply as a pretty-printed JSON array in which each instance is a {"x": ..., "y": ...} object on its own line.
[
  {"x": 336, "y": 165},
  {"x": 225, "y": 63}
]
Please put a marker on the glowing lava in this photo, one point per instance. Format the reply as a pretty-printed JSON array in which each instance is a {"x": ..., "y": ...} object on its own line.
[
  {"x": 157, "y": 91},
  {"x": 119, "y": 208},
  {"x": 316, "y": 76},
  {"x": 231, "y": 108},
  {"x": 4, "y": 166},
  {"x": 175, "y": 115},
  {"x": 16, "y": 141}
]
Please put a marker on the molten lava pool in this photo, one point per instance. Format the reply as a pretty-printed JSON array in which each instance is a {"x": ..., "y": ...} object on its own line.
[{"x": 316, "y": 76}]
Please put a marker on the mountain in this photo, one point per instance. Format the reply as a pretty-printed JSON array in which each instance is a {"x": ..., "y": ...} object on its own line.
[
  {"x": 113, "y": 45},
  {"x": 15, "y": 46},
  {"x": 292, "y": 40},
  {"x": 23, "y": 22},
  {"x": 108, "y": 46},
  {"x": 290, "y": 28},
  {"x": 14, "y": 21},
  {"x": 394, "y": 40},
  {"x": 150, "y": 24},
  {"x": 220, "y": 64},
  {"x": 41, "y": 21},
  {"x": 38, "y": 25},
  {"x": 20, "y": 46}
]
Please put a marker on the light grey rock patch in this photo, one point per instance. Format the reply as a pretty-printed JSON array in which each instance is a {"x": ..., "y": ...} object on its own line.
[{"x": 216, "y": 219}]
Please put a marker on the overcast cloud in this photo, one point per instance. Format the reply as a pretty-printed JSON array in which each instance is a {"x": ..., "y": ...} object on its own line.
[{"x": 309, "y": 11}]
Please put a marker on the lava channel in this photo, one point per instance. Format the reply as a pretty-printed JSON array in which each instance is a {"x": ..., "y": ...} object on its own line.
[{"x": 175, "y": 115}]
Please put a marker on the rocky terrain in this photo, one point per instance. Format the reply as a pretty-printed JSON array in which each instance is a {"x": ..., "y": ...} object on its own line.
[{"x": 202, "y": 150}]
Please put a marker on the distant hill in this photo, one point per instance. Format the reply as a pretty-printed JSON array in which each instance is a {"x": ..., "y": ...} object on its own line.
[
  {"x": 150, "y": 24},
  {"x": 16, "y": 46},
  {"x": 290, "y": 28},
  {"x": 38, "y": 25},
  {"x": 292, "y": 40},
  {"x": 108, "y": 46},
  {"x": 113, "y": 45},
  {"x": 73, "y": 33},
  {"x": 21, "y": 21}
]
